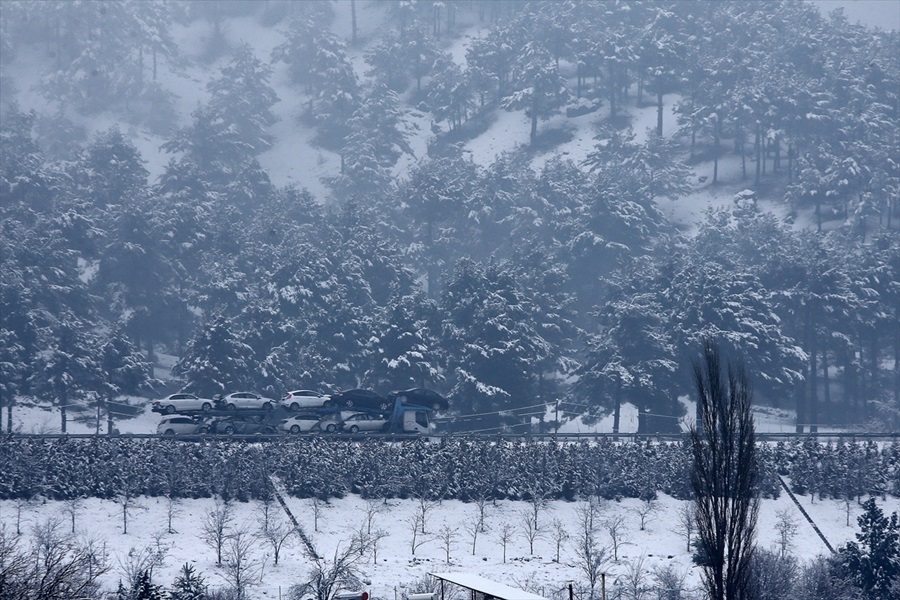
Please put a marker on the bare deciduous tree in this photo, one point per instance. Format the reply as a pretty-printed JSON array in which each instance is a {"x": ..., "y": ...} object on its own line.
[
  {"x": 53, "y": 567},
  {"x": 266, "y": 505},
  {"x": 424, "y": 505},
  {"x": 242, "y": 568},
  {"x": 473, "y": 527},
  {"x": 538, "y": 496},
  {"x": 21, "y": 505},
  {"x": 528, "y": 527},
  {"x": 669, "y": 582},
  {"x": 559, "y": 535},
  {"x": 173, "y": 510},
  {"x": 635, "y": 579},
  {"x": 786, "y": 526},
  {"x": 504, "y": 536},
  {"x": 418, "y": 538},
  {"x": 447, "y": 535},
  {"x": 276, "y": 532},
  {"x": 215, "y": 526},
  {"x": 373, "y": 509},
  {"x": 317, "y": 508},
  {"x": 615, "y": 527},
  {"x": 72, "y": 507},
  {"x": 482, "y": 498},
  {"x": 375, "y": 540},
  {"x": 725, "y": 474},
  {"x": 127, "y": 501},
  {"x": 589, "y": 513},
  {"x": 590, "y": 557},
  {"x": 685, "y": 523},
  {"x": 645, "y": 511},
  {"x": 327, "y": 577},
  {"x": 140, "y": 560}
]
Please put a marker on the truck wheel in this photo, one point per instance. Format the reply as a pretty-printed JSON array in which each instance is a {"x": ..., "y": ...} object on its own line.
[
  {"x": 206, "y": 407},
  {"x": 354, "y": 429}
]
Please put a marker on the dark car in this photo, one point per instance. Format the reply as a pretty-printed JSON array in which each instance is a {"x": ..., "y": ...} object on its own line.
[
  {"x": 361, "y": 399},
  {"x": 231, "y": 426},
  {"x": 420, "y": 397}
]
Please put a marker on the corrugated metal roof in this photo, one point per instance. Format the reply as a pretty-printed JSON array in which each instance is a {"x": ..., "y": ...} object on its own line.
[{"x": 486, "y": 586}]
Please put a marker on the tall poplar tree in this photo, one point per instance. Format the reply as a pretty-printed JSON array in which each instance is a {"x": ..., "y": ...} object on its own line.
[{"x": 725, "y": 475}]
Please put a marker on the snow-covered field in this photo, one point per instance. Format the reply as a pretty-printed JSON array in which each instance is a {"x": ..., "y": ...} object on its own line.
[{"x": 397, "y": 569}]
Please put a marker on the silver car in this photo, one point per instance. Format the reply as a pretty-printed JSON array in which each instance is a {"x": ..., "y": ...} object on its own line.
[
  {"x": 179, "y": 425},
  {"x": 246, "y": 400},
  {"x": 180, "y": 402},
  {"x": 301, "y": 423},
  {"x": 363, "y": 422}
]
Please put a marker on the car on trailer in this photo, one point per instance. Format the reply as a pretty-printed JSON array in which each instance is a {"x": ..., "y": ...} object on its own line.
[
  {"x": 363, "y": 422},
  {"x": 355, "y": 399},
  {"x": 182, "y": 402},
  {"x": 171, "y": 426},
  {"x": 241, "y": 426},
  {"x": 245, "y": 401},
  {"x": 303, "y": 399},
  {"x": 301, "y": 423},
  {"x": 420, "y": 397}
]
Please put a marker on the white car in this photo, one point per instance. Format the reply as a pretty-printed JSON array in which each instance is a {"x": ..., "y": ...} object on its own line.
[
  {"x": 299, "y": 399},
  {"x": 182, "y": 402},
  {"x": 179, "y": 425},
  {"x": 363, "y": 422},
  {"x": 301, "y": 423},
  {"x": 245, "y": 400}
]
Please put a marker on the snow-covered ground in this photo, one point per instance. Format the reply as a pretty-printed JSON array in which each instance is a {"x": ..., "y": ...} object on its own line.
[{"x": 397, "y": 569}]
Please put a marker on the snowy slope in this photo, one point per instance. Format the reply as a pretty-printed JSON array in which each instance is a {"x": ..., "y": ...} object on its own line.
[{"x": 397, "y": 570}]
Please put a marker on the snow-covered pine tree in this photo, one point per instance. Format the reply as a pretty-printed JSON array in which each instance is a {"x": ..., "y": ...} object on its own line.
[
  {"x": 537, "y": 86},
  {"x": 215, "y": 361}
]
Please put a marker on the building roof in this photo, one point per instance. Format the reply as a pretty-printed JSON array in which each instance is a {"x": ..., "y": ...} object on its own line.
[{"x": 486, "y": 586}]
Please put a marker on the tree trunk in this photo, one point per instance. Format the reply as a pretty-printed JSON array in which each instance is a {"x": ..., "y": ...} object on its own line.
[
  {"x": 716, "y": 152},
  {"x": 353, "y": 22},
  {"x": 758, "y": 153},
  {"x": 790, "y": 163},
  {"x": 813, "y": 377},
  {"x": 617, "y": 407},
  {"x": 659, "y": 114},
  {"x": 826, "y": 382},
  {"x": 533, "y": 135},
  {"x": 63, "y": 402}
]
